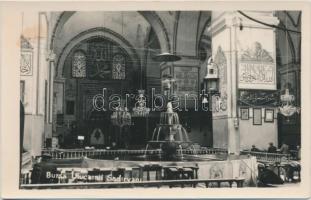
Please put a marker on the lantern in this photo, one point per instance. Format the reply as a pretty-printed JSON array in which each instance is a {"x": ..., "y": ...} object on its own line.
[{"x": 211, "y": 78}]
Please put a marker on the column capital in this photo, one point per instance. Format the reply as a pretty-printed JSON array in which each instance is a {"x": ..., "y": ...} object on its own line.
[
  {"x": 50, "y": 56},
  {"x": 227, "y": 19}
]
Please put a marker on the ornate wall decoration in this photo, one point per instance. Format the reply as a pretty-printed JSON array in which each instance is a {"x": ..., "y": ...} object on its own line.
[
  {"x": 26, "y": 62},
  {"x": 242, "y": 169},
  {"x": 118, "y": 67},
  {"x": 256, "y": 53},
  {"x": 216, "y": 171},
  {"x": 257, "y": 69},
  {"x": 79, "y": 65},
  {"x": 220, "y": 102}
]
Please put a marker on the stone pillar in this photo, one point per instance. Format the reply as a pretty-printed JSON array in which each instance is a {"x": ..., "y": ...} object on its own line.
[
  {"x": 51, "y": 59},
  {"x": 234, "y": 37}
]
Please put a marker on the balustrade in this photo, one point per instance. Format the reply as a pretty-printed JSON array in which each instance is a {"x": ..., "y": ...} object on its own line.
[{"x": 79, "y": 153}]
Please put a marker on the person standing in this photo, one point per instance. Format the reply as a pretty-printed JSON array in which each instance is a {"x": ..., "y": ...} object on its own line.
[
  {"x": 298, "y": 152},
  {"x": 284, "y": 149}
]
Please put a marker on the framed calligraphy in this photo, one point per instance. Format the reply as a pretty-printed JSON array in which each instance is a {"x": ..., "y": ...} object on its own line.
[
  {"x": 244, "y": 113},
  {"x": 257, "y": 116},
  {"x": 269, "y": 115}
]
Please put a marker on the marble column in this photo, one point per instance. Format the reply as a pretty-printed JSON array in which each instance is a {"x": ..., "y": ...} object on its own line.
[{"x": 234, "y": 37}]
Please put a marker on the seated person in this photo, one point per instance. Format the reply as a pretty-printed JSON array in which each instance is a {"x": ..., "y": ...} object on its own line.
[
  {"x": 254, "y": 148},
  {"x": 290, "y": 168},
  {"x": 44, "y": 172},
  {"x": 272, "y": 148}
]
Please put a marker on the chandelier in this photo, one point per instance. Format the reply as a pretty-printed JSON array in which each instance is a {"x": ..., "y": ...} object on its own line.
[
  {"x": 121, "y": 117},
  {"x": 140, "y": 109},
  {"x": 287, "y": 109}
]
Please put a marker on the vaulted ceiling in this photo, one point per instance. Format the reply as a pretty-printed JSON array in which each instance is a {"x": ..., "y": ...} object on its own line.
[{"x": 177, "y": 31}]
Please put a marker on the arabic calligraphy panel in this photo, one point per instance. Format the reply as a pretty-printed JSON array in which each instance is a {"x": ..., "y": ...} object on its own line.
[{"x": 257, "y": 69}]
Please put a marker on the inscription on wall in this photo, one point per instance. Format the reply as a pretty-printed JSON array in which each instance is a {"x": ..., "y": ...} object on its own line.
[
  {"x": 186, "y": 81},
  {"x": 26, "y": 62},
  {"x": 257, "y": 69}
]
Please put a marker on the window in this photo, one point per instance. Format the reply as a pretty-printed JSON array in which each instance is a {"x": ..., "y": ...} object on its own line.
[
  {"x": 79, "y": 65},
  {"x": 118, "y": 67},
  {"x": 70, "y": 107}
]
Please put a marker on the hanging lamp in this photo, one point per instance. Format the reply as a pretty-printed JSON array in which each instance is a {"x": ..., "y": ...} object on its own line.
[
  {"x": 287, "y": 108},
  {"x": 166, "y": 57},
  {"x": 140, "y": 109},
  {"x": 121, "y": 116}
]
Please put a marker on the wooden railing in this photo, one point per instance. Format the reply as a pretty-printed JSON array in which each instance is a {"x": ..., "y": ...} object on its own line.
[
  {"x": 267, "y": 157},
  {"x": 203, "y": 150}
]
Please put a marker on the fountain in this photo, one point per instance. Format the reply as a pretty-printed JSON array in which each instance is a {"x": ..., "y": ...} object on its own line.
[{"x": 169, "y": 136}]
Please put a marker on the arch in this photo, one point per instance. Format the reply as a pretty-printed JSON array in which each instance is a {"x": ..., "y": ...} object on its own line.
[
  {"x": 289, "y": 41},
  {"x": 159, "y": 28},
  {"x": 62, "y": 19},
  {"x": 98, "y": 32},
  {"x": 200, "y": 36},
  {"x": 151, "y": 16},
  {"x": 175, "y": 30}
]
